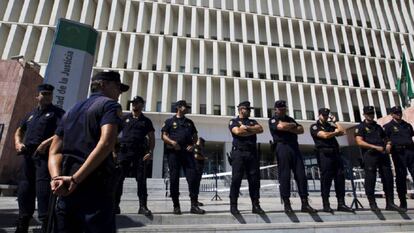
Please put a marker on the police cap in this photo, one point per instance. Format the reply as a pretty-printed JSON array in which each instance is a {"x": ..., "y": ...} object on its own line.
[
  {"x": 45, "y": 87},
  {"x": 245, "y": 104},
  {"x": 137, "y": 99},
  {"x": 182, "y": 103},
  {"x": 280, "y": 104},
  {"x": 369, "y": 110},
  {"x": 324, "y": 111},
  {"x": 111, "y": 76},
  {"x": 396, "y": 110}
]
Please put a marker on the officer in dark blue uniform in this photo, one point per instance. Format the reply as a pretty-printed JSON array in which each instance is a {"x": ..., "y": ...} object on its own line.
[
  {"x": 179, "y": 135},
  {"x": 285, "y": 130},
  {"x": 324, "y": 133},
  {"x": 245, "y": 159},
  {"x": 401, "y": 146},
  {"x": 81, "y": 162},
  {"x": 371, "y": 138},
  {"x": 136, "y": 145},
  {"x": 32, "y": 140}
]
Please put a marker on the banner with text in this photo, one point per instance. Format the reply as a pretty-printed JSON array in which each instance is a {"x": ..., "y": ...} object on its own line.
[{"x": 71, "y": 61}]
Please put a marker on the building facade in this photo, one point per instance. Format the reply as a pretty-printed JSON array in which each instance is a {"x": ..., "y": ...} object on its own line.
[{"x": 340, "y": 54}]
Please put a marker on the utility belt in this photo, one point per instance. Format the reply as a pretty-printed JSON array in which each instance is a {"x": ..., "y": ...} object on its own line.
[
  {"x": 327, "y": 150},
  {"x": 403, "y": 147},
  {"x": 250, "y": 148},
  {"x": 132, "y": 147}
]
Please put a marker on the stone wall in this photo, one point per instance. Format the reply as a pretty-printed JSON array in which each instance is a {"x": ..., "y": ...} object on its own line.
[{"x": 18, "y": 83}]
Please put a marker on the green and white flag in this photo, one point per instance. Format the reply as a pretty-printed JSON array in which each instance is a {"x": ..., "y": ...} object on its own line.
[
  {"x": 71, "y": 61},
  {"x": 405, "y": 83}
]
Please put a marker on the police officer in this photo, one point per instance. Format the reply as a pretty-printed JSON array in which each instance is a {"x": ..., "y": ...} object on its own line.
[
  {"x": 80, "y": 159},
  {"x": 324, "y": 133},
  {"x": 285, "y": 130},
  {"x": 32, "y": 140},
  {"x": 401, "y": 146},
  {"x": 245, "y": 159},
  {"x": 371, "y": 138},
  {"x": 179, "y": 135},
  {"x": 199, "y": 155},
  {"x": 136, "y": 146}
]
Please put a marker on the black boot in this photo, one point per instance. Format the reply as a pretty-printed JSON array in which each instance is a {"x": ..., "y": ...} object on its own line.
[
  {"x": 194, "y": 207},
  {"x": 342, "y": 207},
  {"x": 176, "y": 203},
  {"x": 233, "y": 207},
  {"x": 306, "y": 207},
  {"x": 373, "y": 204},
  {"x": 200, "y": 203},
  {"x": 287, "y": 206},
  {"x": 143, "y": 209},
  {"x": 256, "y": 209},
  {"x": 22, "y": 225},
  {"x": 391, "y": 206},
  {"x": 326, "y": 205},
  {"x": 403, "y": 203}
]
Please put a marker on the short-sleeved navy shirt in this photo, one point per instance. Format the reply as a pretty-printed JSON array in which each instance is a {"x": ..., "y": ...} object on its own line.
[
  {"x": 81, "y": 126},
  {"x": 280, "y": 135},
  {"x": 134, "y": 130},
  {"x": 399, "y": 133},
  {"x": 40, "y": 124},
  {"x": 371, "y": 133},
  {"x": 321, "y": 142},
  {"x": 181, "y": 130},
  {"x": 243, "y": 140}
]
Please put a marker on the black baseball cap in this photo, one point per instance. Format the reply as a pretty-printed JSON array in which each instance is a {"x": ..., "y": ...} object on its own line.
[
  {"x": 45, "y": 87},
  {"x": 111, "y": 76},
  {"x": 280, "y": 104},
  {"x": 245, "y": 104},
  {"x": 182, "y": 103},
  {"x": 369, "y": 110},
  {"x": 324, "y": 111},
  {"x": 396, "y": 110},
  {"x": 137, "y": 99}
]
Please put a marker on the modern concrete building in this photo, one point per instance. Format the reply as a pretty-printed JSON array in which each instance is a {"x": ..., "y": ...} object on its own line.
[{"x": 341, "y": 54}]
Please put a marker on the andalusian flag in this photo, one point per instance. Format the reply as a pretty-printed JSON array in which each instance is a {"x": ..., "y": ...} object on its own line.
[{"x": 405, "y": 83}]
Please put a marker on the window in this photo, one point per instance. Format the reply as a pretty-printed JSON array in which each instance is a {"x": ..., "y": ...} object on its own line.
[
  {"x": 154, "y": 67},
  {"x": 182, "y": 69},
  {"x": 231, "y": 111},
  {"x": 297, "y": 114},
  {"x": 209, "y": 70},
  {"x": 249, "y": 74},
  {"x": 203, "y": 109},
  {"x": 273, "y": 76},
  {"x": 236, "y": 73},
  {"x": 168, "y": 68},
  {"x": 258, "y": 112},
  {"x": 158, "y": 109},
  {"x": 310, "y": 115},
  {"x": 311, "y": 80},
  {"x": 216, "y": 110},
  {"x": 196, "y": 70},
  {"x": 223, "y": 72}
]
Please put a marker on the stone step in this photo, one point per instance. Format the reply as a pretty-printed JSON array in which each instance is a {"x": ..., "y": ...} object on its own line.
[
  {"x": 319, "y": 227},
  {"x": 246, "y": 217}
]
